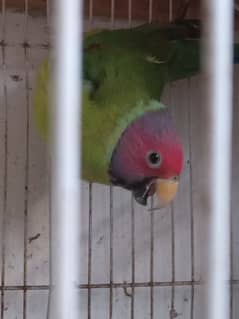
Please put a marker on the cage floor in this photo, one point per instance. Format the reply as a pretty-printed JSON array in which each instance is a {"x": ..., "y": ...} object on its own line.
[{"x": 134, "y": 263}]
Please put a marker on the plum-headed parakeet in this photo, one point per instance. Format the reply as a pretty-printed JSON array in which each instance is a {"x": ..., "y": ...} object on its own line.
[{"x": 128, "y": 136}]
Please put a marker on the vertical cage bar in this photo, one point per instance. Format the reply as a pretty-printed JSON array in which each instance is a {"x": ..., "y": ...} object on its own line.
[
  {"x": 170, "y": 10},
  {"x": 112, "y": 13},
  {"x": 26, "y": 12},
  {"x": 66, "y": 125},
  {"x": 130, "y": 12},
  {"x": 89, "y": 251},
  {"x": 152, "y": 261},
  {"x": 111, "y": 254},
  {"x": 150, "y": 11},
  {"x": 49, "y": 188},
  {"x": 50, "y": 238},
  {"x": 191, "y": 208},
  {"x": 132, "y": 255},
  {"x": 172, "y": 310},
  {"x": 231, "y": 268},
  {"x": 91, "y": 10},
  {"x": 3, "y": 14},
  {"x": 48, "y": 12},
  {"x": 4, "y": 204},
  {"x": 172, "y": 224},
  {"x": 218, "y": 63},
  {"x": 26, "y": 61},
  {"x": 233, "y": 253}
]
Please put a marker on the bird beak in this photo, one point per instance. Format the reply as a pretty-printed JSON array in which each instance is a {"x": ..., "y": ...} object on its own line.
[{"x": 165, "y": 191}]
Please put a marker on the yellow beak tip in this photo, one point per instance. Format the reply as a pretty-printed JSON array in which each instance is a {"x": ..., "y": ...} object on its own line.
[{"x": 166, "y": 191}]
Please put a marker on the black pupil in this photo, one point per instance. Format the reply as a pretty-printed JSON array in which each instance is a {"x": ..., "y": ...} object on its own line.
[{"x": 154, "y": 158}]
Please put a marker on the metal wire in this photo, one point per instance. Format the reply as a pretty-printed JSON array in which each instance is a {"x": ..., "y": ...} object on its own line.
[
  {"x": 112, "y": 13},
  {"x": 191, "y": 207},
  {"x": 130, "y": 12},
  {"x": 45, "y": 46},
  {"x": 89, "y": 250},
  {"x": 150, "y": 11},
  {"x": 233, "y": 259},
  {"x": 48, "y": 12},
  {"x": 152, "y": 261},
  {"x": 132, "y": 256},
  {"x": 170, "y": 10},
  {"x": 231, "y": 264},
  {"x": 172, "y": 310},
  {"x": 50, "y": 238},
  {"x": 172, "y": 224},
  {"x": 91, "y": 10},
  {"x": 137, "y": 284},
  {"x": 111, "y": 254},
  {"x": 5, "y": 176},
  {"x": 26, "y": 61}
]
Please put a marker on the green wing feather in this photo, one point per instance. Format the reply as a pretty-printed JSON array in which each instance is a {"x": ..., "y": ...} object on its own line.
[{"x": 124, "y": 72}]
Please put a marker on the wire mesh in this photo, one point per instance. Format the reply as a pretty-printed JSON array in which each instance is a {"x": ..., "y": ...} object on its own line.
[{"x": 162, "y": 278}]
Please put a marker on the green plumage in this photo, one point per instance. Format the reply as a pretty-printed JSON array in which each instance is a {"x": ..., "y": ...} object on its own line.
[{"x": 125, "y": 72}]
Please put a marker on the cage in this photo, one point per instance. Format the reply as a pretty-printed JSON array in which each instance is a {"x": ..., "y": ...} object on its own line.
[{"x": 135, "y": 263}]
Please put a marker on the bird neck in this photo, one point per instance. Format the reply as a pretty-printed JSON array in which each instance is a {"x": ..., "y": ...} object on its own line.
[{"x": 125, "y": 121}]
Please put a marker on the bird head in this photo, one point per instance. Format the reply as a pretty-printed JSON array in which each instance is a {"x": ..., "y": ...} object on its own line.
[{"x": 148, "y": 158}]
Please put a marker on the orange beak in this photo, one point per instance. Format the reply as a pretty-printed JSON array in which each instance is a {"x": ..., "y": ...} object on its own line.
[{"x": 165, "y": 191}]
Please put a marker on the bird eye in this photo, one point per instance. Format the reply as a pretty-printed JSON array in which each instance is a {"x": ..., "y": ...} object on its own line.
[{"x": 154, "y": 159}]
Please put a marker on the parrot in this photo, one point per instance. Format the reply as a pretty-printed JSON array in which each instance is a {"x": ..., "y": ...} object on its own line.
[{"x": 129, "y": 137}]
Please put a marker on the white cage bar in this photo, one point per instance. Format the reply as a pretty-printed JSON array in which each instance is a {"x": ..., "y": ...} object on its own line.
[
  {"x": 134, "y": 264},
  {"x": 65, "y": 254},
  {"x": 219, "y": 57}
]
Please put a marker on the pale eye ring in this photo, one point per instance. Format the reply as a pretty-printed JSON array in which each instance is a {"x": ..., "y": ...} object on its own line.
[{"x": 153, "y": 159}]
